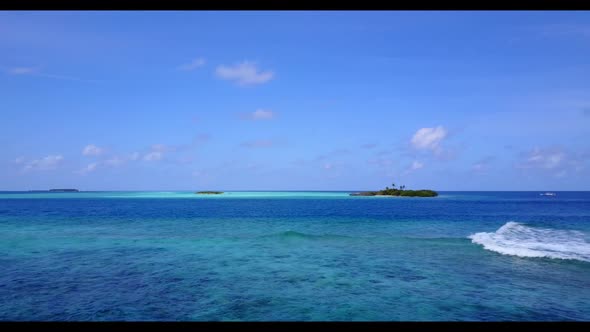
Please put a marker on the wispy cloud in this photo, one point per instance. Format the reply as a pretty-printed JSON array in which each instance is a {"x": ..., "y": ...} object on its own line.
[
  {"x": 259, "y": 114},
  {"x": 555, "y": 160},
  {"x": 88, "y": 169},
  {"x": 429, "y": 138},
  {"x": 109, "y": 161},
  {"x": 157, "y": 152},
  {"x": 92, "y": 150},
  {"x": 153, "y": 156},
  {"x": 194, "y": 64},
  {"x": 34, "y": 71},
  {"x": 262, "y": 143},
  {"x": 430, "y": 141},
  {"x": 416, "y": 165},
  {"x": 67, "y": 78},
  {"x": 47, "y": 163},
  {"x": 548, "y": 158},
  {"x": 561, "y": 174},
  {"x": 22, "y": 70},
  {"x": 245, "y": 73}
]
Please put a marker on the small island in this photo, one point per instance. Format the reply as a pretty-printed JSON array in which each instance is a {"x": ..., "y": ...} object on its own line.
[
  {"x": 398, "y": 192},
  {"x": 64, "y": 190},
  {"x": 209, "y": 192}
]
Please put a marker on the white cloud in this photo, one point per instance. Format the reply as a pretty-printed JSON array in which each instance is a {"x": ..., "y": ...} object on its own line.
[
  {"x": 36, "y": 72},
  {"x": 92, "y": 150},
  {"x": 416, "y": 165},
  {"x": 19, "y": 160},
  {"x": 22, "y": 70},
  {"x": 259, "y": 114},
  {"x": 196, "y": 63},
  {"x": 544, "y": 158},
  {"x": 153, "y": 156},
  {"x": 48, "y": 163},
  {"x": 89, "y": 168},
  {"x": 157, "y": 152},
  {"x": 245, "y": 73},
  {"x": 555, "y": 160},
  {"x": 429, "y": 138},
  {"x": 328, "y": 166}
]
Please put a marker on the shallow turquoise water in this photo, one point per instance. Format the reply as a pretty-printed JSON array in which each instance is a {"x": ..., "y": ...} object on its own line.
[{"x": 294, "y": 256}]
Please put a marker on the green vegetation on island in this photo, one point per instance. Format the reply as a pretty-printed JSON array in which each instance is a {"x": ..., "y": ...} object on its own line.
[
  {"x": 209, "y": 192},
  {"x": 398, "y": 192}
]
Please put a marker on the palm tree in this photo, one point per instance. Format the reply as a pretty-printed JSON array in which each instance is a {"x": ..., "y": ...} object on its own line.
[{"x": 393, "y": 185}]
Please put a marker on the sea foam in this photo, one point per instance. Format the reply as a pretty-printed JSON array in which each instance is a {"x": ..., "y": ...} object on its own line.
[{"x": 520, "y": 240}]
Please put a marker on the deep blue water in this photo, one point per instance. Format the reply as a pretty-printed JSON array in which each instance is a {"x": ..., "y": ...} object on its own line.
[{"x": 260, "y": 256}]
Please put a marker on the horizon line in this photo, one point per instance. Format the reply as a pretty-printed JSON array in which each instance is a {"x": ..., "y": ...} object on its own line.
[{"x": 293, "y": 190}]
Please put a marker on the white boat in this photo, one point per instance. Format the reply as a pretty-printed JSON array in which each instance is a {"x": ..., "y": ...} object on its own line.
[{"x": 548, "y": 194}]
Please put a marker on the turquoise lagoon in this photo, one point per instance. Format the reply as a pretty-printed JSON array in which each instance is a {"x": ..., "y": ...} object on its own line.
[{"x": 294, "y": 256}]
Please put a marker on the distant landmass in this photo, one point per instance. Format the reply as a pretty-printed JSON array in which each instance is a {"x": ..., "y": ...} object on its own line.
[
  {"x": 398, "y": 192},
  {"x": 209, "y": 192},
  {"x": 55, "y": 190}
]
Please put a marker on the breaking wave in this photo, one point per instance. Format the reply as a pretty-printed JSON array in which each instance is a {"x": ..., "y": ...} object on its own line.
[{"x": 519, "y": 240}]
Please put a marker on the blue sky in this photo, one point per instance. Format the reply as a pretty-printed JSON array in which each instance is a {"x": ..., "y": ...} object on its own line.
[{"x": 295, "y": 100}]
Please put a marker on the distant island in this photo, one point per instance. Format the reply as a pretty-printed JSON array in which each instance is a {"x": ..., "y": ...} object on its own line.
[
  {"x": 398, "y": 192},
  {"x": 209, "y": 192},
  {"x": 56, "y": 191}
]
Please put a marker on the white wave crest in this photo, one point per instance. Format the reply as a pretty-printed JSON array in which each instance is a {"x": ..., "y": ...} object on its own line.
[{"x": 517, "y": 239}]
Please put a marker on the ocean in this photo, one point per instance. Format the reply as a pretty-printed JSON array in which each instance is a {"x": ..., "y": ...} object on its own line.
[{"x": 294, "y": 256}]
